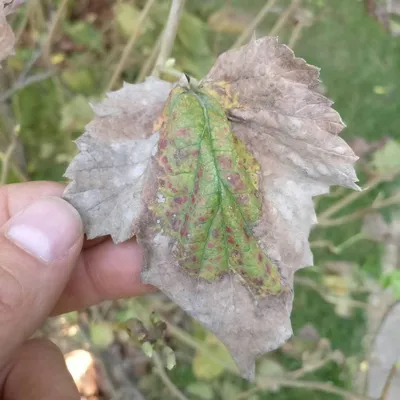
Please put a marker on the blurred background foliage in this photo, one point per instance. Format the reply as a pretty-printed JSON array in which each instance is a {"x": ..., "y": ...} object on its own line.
[{"x": 66, "y": 56}]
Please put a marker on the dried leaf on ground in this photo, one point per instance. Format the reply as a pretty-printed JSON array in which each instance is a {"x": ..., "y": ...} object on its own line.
[{"x": 217, "y": 187}]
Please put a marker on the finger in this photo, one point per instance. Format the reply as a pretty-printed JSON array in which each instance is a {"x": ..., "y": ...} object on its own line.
[
  {"x": 38, "y": 372},
  {"x": 15, "y": 197},
  {"x": 105, "y": 272},
  {"x": 38, "y": 250}
]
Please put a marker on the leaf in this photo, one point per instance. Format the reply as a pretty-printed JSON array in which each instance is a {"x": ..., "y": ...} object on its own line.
[
  {"x": 207, "y": 368},
  {"x": 7, "y": 38},
  {"x": 192, "y": 34},
  {"x": 127, "y": 17},
  {"x": 201, "y": 390},
  {"x": 101, "y": 334},
  {"x": 85, "y": 34},
  {"x": 224, "y": 206},
  {"x": 229, "y": 390},
  {"x": 207, "y": 197},
  {"x": 75, "y": 114},
  {"x": 102, "y": 185},
  {"x": 392, "y": 280},
  {"x": 387, "y": 157},
  {"x": 229, "y": 20}
]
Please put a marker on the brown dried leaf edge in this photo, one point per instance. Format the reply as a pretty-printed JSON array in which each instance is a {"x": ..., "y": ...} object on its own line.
[{"x": 7, "y": 38}]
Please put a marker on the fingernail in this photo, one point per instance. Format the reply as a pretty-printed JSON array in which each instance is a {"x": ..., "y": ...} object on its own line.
[{"x": 46, "y": 229}]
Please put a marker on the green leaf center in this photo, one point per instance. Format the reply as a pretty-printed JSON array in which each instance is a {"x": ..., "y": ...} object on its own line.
[{"x": 208, "y": 193}]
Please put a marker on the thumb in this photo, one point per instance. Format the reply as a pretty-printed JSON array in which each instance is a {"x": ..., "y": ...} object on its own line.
[{"x": 38, "y": 250}]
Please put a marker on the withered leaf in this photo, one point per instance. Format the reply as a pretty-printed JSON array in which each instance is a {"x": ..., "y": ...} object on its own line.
[
  {"x": 7, "y": 37},
  {"x": 224, "y": 207},
  {"x": 124, "y": 167},
  {"x": 110, "y": 171}
]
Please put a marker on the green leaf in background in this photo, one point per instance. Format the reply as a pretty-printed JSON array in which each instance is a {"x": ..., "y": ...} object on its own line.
[
  {"x": 79, "y": 80},
  {"x": 388, "y": 157},
  {"x": 269, "y": 367},
  {"x": 76, "y": 114},
  {"x": 193, "y": 51},
  {"x": 392, "y": 280},
  {"x": 127, "y": 17},
  {"x": 101, "y": 334},
  {"x": 229, "y": 20},
  {"x": 169, "y": 357},
  {"x": 210, "y": 186},
  {"x": 85, "y": 34},
  {"x": 229, "y": 390},
  {"x": 192, "y": 34},
  {"x": 147, "y": 348},
  {"x": 205, "y": 367},
  {"x": 201, "y": 390}
]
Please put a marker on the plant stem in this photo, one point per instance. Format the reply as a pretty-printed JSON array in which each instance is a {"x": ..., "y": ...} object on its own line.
[
  {"x": 194, "y": 344},
  {"x": 336, "y": 207},
  {"x": 389, "y": 379},
  {"x": 295, "y": 36},
  {"x": 27, "y": 82},
  {"x": 284, "y": 17},
  {"x": 390, "y": 201},
  {"x": 329, "y": 298},
  {"x": 337, "y": 249},
  {"x": 151, "y": 59},
  {"x": 309, "y": 385},
  {"x": 52, "y": 30},
  {"x": 129, "y": 46},
  {"x": 254, "y": 24},
  {"x": 168, "y": 36},
  {"x": 160, "y": 370},
  {"x": 6, "y": 157}
]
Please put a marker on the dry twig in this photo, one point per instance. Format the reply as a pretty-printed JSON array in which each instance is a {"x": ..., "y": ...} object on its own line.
[
  {"x": 389, "y": 379},
  {"x": 52, "y": 30},
  {"x": 169, "y": 34},
  {"x": 284, "y": 17},
  {"x": 309, "y": 385},
  {"x": 160, "y": 370},
  {"x": 6, "y": 157},
  {"x": 151, "y": 59},
  {"x": 324, "y": 217},
  {"x": 246, "y": 34},
  {"x": 129, "y": 46}
]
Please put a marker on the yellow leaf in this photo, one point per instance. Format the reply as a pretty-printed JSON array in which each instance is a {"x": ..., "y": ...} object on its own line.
[{"x": 208, "y": 368}]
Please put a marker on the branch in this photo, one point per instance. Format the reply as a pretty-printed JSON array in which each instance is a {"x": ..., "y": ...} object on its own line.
[
  {"x": 254, "y": 24},
  {"x": 389, "y": 379},
  {"x": 6, "y": 157},
  {"x": 337, "y": 249},
  {"x": 329, "y": 298},
  {"x": 296, "y": 33},
  {"x": 288, "y": 381},
  {"x": 377, "y": 205},
  {"x": 169, "y": 34},
  {"x": 151, "y": 59},
  {"x": 309, "y": 385},
  {"x": 129, "y": 46},
  {"x": 336, "y": 207},
  {"x": 311, "y": 367},
  {"x": 198, "y": 346},
  {"x": 160, "y": 370},
  {"x": 23, "y": 84},
  {"x": 52, "y": 30},
  {"x": 284, "y": 17}
]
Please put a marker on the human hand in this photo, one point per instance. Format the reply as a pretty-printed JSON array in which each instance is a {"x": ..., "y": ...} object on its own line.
[{"x": 47, "y": 268}]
